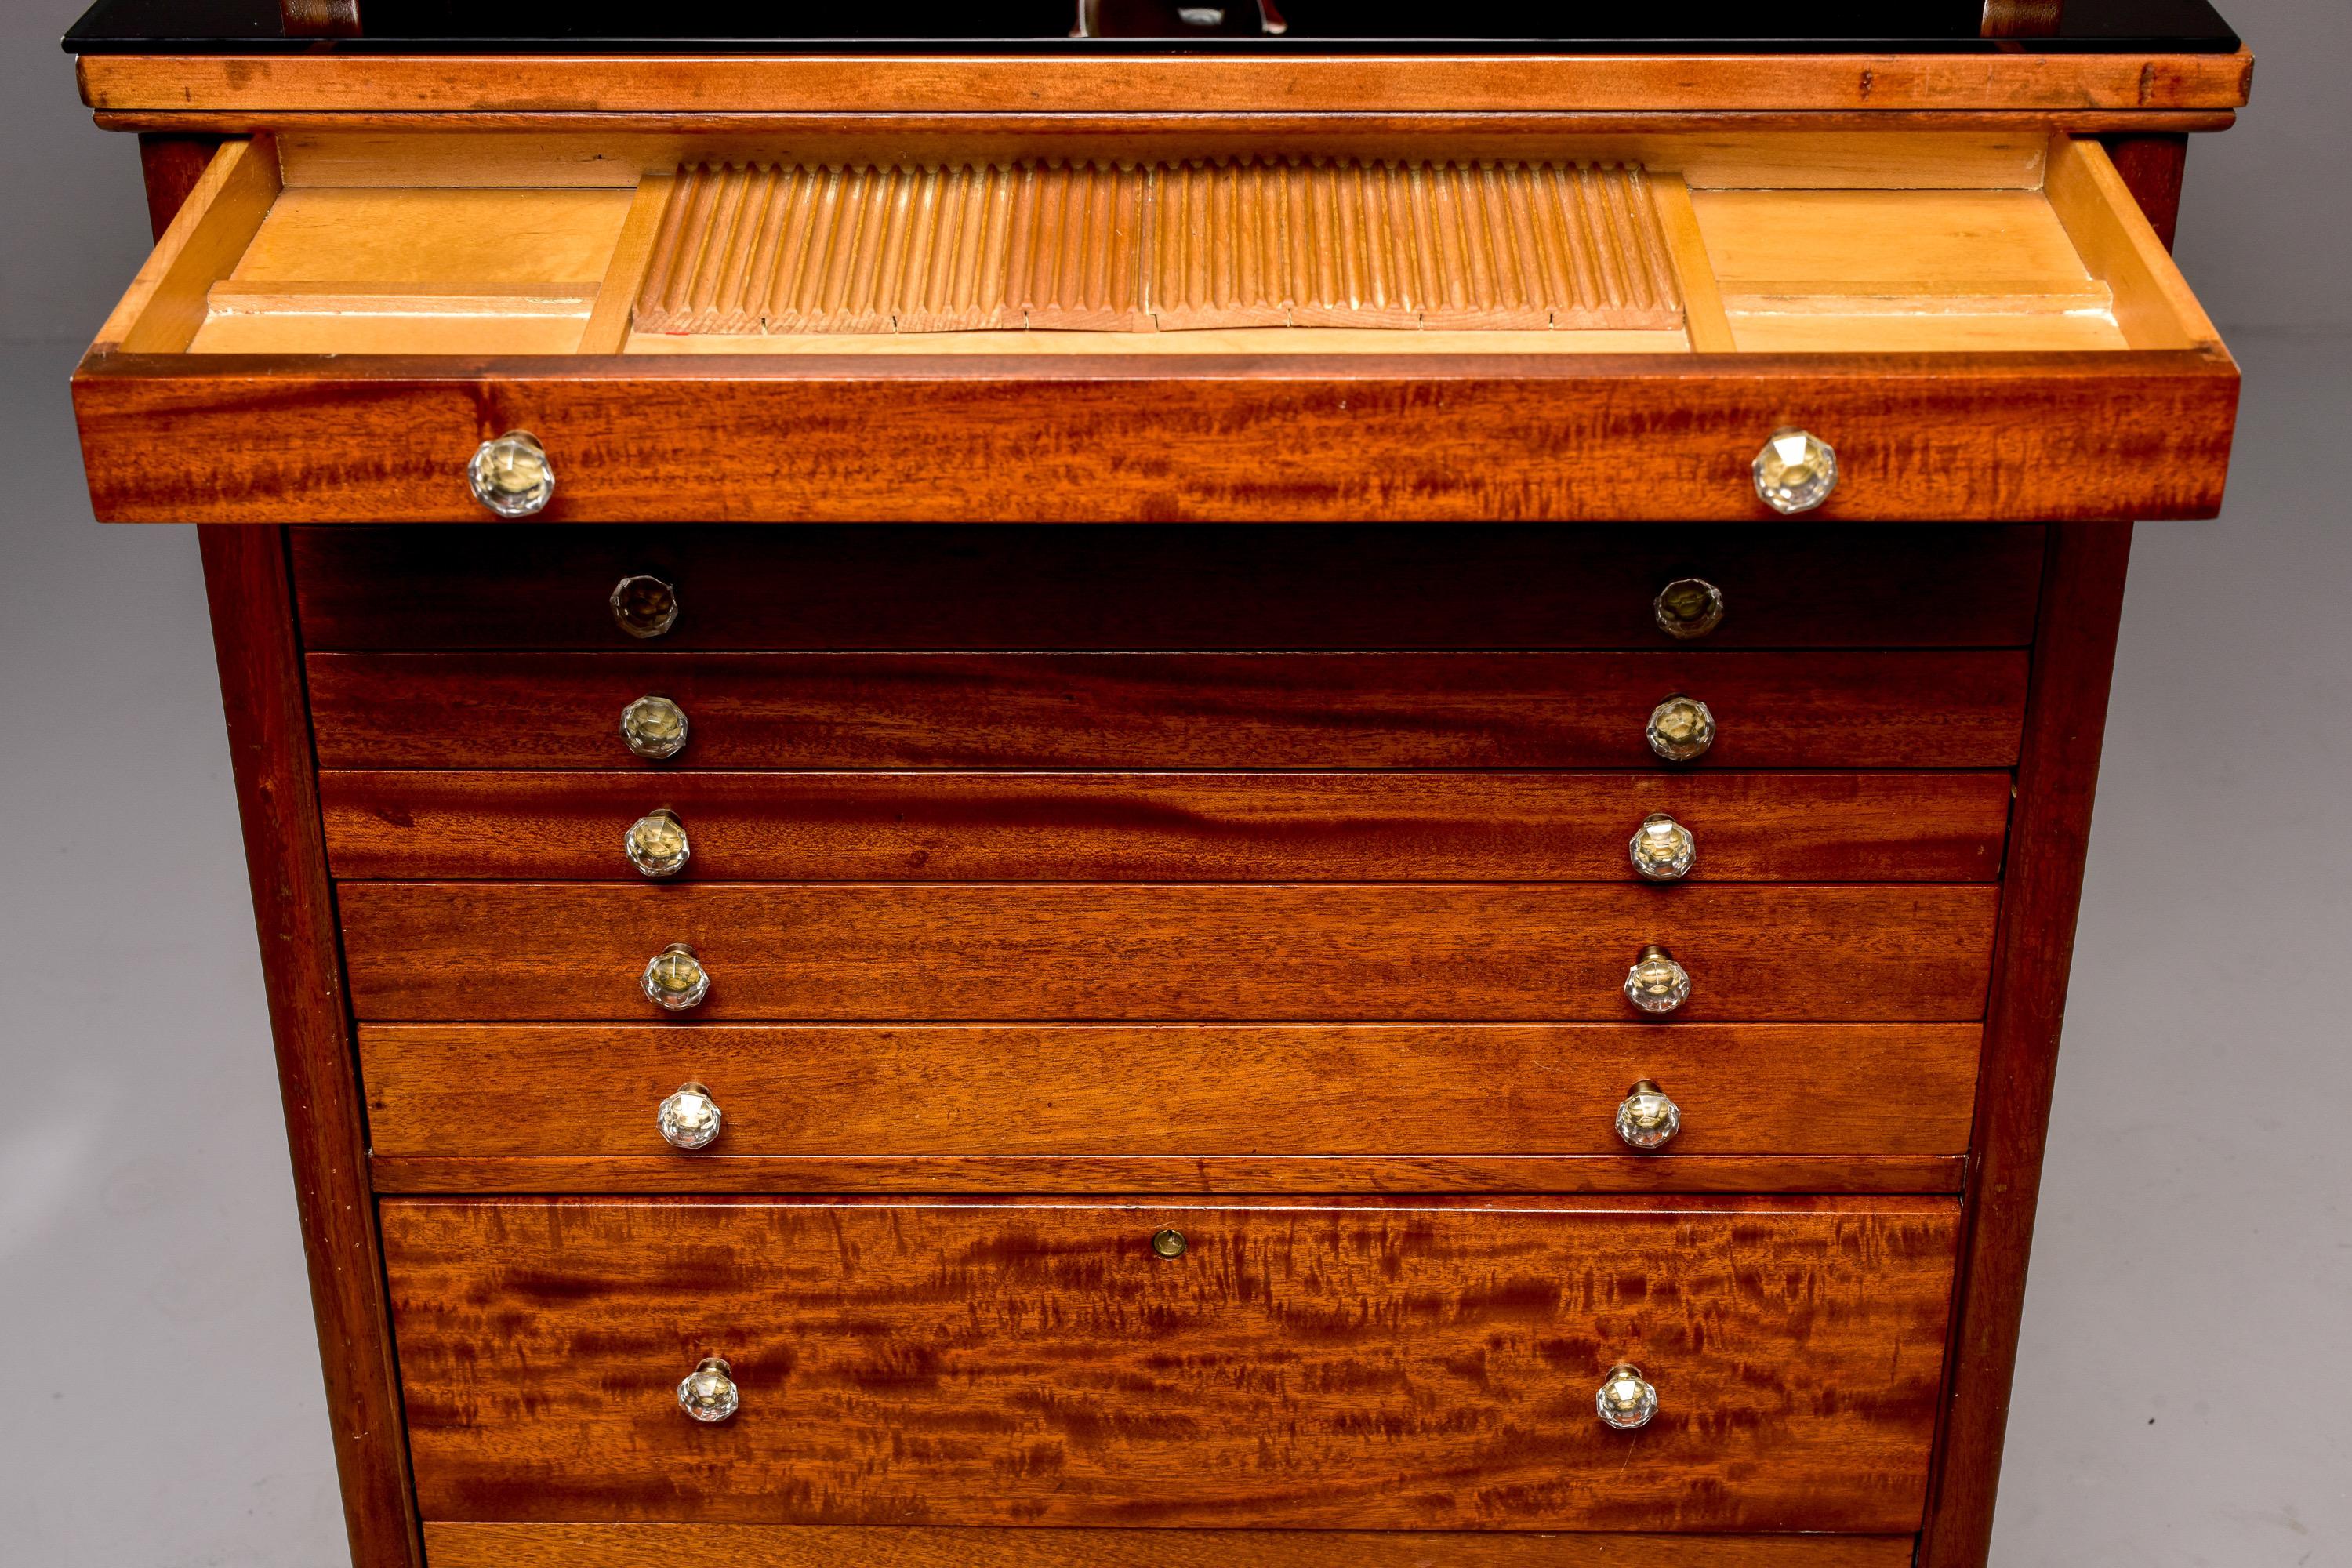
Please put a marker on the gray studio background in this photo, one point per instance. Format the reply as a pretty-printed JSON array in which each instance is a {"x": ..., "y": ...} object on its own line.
[{"x": 2185, "y": 1393}]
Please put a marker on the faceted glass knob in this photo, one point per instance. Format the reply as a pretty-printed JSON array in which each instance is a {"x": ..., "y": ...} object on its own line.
[
  {"x": 1662, "y": 848},
  {"x": 1680, "y": 728},
  {"x": 512, "y": 475},
  {"x": 709, "y": 1392},
  {"x": 645, "y": 606},
  {"x": 689, "y": 1118},
  {"x": 654, "y": 728},
  {"x": 1647, "y": 1119},
  {"x": 1795, "y": 472},
  {"x": 1168, "y": 1243},
  {"x": 1656, "y": 984},
  {"x": 1626, "y": 1400},
  {"x": 1688, "y": 608},
  {"x": 655, "y": 843},
  {"x": 675, "y": 978}
]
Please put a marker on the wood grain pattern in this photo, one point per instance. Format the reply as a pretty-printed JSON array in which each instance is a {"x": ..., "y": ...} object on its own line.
[
  {"x": 1411, "y": 1366},
  {"x": 1318, "y": 587},
  {"x": 2152, "y": 168},
  {"x": 1937, "y": 710},
  {"x": 1199, "y": 83},
  {"x": 1080, "y": 244},
  {"x": 1174, "y": 1090},
  {"x": 252, "y": 604},
  {"x": 455, "y": 1545},
  {"x": 212, "y": 221},
  {"x": 1199, "y": 1176},
  {"x": 2057, "y": 780},
  {"x": 1352, "y": 439},
  {"x": 891, "y": 952},
  {"x": 411, "y": 825}
]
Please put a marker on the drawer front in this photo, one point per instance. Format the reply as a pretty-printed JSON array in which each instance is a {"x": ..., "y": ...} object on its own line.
[
  {"x": 1358, "y": 1364},
  {"x": 476, "y": 1545},
  {"x": 1176, "y": 588},
  {"x": 453, "y": 951},
  {"x": 416, "y": 824},
  {"x": 1894, "y": 710},
  {"x": 1213, "y": 1092}
]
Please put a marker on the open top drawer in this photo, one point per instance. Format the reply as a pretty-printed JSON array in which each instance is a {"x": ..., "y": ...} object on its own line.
[{"x": 1981, "y": 327}]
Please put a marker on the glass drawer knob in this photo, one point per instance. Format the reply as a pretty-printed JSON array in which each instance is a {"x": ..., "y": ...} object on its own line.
[
  {"x": 689, "y": 1118},
  {"x": 1795, "y": 472},
  {"x": 1168, "y": 1244},
  {"x": 1647, "y": 1119},
  {"x": 1662, "y": 850},
  {"x": 1627, "y": 1400},
  {"x": 644, "y": 607},
  {"x": 654, "y": 728},
  {"x": 709, "y": 1392},
  {"x": 655, "y": 843},
  {"x": 1688, "y": 608},
  {"x": 1656, "y": 984},
  {"x": 512, "y": 475},
  {"x": 1681, "y": 729},
  {"x": 675, "y": 978}
]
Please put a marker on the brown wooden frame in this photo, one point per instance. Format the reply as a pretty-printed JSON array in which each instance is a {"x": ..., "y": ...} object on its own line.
[{"x": 250, "y": 594}]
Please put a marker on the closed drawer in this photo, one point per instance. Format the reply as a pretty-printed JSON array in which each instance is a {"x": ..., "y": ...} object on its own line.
[
  {"x": 1042, "y": 1363},
  {"x": 474, "y": 1545},
  {"x": 802, "y": 1102},
  {"x": 1984, "y": 329},
  {"x": 413, "y": 824},
  {"x": 1318, "y": 587},
  {"x": 1959, "y": 709},
  {"x": 922, "y": 952}
]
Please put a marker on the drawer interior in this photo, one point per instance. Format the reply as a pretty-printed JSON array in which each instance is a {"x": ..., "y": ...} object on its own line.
[{"x": 486, "y": 244}]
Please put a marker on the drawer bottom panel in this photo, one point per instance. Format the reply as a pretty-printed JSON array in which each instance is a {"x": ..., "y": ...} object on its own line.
[
  {"x": 859, "y": 1546},
  {"x": 1360, "y": 1363}
]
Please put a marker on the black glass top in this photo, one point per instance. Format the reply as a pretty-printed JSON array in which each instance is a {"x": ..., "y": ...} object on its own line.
[{"x": 196, "y": 26}]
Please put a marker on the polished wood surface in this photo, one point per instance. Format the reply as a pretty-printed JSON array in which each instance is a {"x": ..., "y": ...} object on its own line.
[
  {"x": 1201, "y": 1175},
  {"x": 251, "y": 599},
  {"x": 1171, "y": 82},
  {"x": 413, "y": 824},
  {"x": 1896, "y": 709},
  {"x": 1169, "y": 1089},
  {"x": 1408, "y": 1364},
  {"x": 2057, "y": 779},
  {"x": 852, "y": 1546},
  {"x": 1320, "y": 587},
  {"x": 1023, "y": 438},
  {"x": 921, "y": 951}
]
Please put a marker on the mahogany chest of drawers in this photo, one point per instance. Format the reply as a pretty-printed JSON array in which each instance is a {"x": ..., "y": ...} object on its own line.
[{"x": 861, "y": 980}]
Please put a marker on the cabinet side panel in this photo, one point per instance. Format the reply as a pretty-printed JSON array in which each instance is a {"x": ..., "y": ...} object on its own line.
[
  {"x": 247, "y": 583},
  {"x": 2066, "y": 721}
]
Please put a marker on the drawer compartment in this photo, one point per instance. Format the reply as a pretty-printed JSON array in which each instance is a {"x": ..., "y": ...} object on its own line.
[
  {"x": 418, "y": 825},
  {"x": 977, "y": 1363},
  {"x": 430, "y": 951},
  {"x": 1007, "y": 329},
  {"x": 882, "y": 587},
  {"x": 1168, "y": 1091},
  {"x": 1960, "y": 708}
]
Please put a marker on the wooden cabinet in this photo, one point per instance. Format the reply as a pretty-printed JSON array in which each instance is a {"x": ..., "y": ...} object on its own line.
[{"x": 1087, "y": 1037}]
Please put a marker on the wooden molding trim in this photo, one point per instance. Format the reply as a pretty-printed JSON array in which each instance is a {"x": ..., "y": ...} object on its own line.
[
  {"x": 250, "y": 589},
  {"x": 868, "y": 84},
  {"x": 2067, "y": 711}
]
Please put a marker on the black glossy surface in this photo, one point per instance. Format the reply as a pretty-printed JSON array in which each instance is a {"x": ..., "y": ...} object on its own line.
[{"x": 1316, "y": 26}]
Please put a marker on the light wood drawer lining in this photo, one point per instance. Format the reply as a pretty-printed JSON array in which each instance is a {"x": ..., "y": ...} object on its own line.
[{"x": 1135, "y": 247}]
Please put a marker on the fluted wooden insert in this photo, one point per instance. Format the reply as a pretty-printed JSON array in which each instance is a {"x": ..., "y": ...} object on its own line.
[{"x": 1325, "y": 243}]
